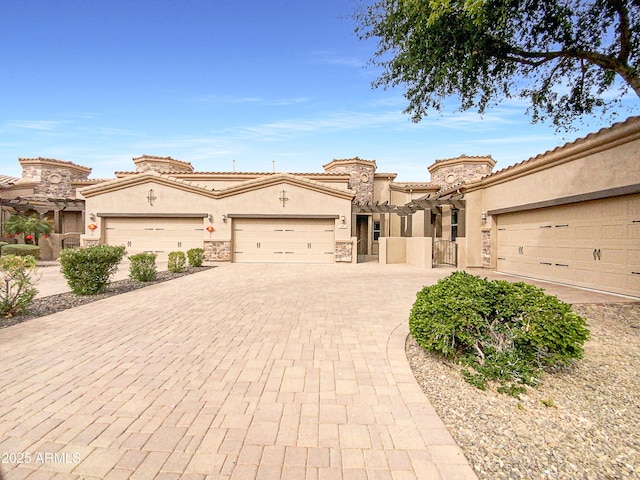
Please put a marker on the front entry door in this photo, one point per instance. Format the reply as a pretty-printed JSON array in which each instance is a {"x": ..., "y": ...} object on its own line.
[{"x": 362, "y": 234}]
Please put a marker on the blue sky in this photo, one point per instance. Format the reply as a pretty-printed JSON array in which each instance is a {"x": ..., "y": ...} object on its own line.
[{"x": 99, "y": 82}]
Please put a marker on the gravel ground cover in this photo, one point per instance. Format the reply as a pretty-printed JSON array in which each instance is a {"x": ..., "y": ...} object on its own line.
[
  {"x": 56, "y": 303},
  {"x": 581, "y": 423}
]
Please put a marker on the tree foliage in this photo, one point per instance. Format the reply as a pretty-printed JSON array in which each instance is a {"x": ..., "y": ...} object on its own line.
[
  {"x": 29, "y": 225},
  {"x": 564, "y": 56}
]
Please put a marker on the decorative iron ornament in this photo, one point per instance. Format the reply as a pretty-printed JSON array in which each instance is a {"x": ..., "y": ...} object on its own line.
[
  {"x": 151, "y": 197},
  {"x": 283, "y": 197}
]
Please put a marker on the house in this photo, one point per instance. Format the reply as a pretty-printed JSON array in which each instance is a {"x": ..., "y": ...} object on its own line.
[
  {"x": 47, "y": 188},
  {"x": 570, "y": 215}
]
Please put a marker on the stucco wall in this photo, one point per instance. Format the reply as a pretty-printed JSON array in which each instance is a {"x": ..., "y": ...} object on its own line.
[
  {"x": 262, "y": 201},
  {"x": 605, "y": 160},
  {"x": 419, "y": 251},
  {"x": 415, "y": 251},
  {"x": 614, "y": 167}
]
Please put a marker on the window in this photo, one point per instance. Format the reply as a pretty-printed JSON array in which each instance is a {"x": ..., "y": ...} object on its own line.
[
  {"x": 376, "y": 231},
  {"x": 454, "y": 224}
]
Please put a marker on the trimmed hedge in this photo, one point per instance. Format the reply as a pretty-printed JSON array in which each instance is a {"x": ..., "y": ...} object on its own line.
[
  {"x": 177, "y": 262},
  {"x": 89, "y": 269},
  {"x": 195, "y": 257},
  {"x": 143, "y": 267},
  {"x": 21, "y": 249},
  {"x": 508, "y": 332}
]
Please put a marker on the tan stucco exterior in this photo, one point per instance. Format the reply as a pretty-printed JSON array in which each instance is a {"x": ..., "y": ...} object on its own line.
[{"x": 564, "y": 209}]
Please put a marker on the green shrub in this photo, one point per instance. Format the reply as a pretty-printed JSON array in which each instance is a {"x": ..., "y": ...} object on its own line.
[
  {"x": 509, "y": 332},
  {"x": 89, "y": 269},
  {"x": 143, "y": 267},
  {"x": 195, "y": 256},
  {"x": 21, "y": 249},
  {"x": 177, "y": 262},
  {"x": 16, "y": 285}
]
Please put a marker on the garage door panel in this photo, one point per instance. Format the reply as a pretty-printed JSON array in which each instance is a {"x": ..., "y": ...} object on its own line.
[
  {"x": 284, "y": 240},
  {"x": 594, "y": 244},
  {"x": 633, "y": 230},
  {"x": 156, "y": 235}
]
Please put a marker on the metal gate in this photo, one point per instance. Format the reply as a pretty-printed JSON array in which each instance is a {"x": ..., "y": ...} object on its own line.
[
  {"x": 445, "y": 252},
  {"x": 71, "y": 240}
]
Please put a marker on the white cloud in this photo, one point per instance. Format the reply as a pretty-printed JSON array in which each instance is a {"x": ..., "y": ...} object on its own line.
[
  {"x": 47, "y": 125},
  {"x": 331, "y": 58}
]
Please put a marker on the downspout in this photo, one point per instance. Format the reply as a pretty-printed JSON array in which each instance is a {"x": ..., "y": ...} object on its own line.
[{"x": 390, "y": 203}]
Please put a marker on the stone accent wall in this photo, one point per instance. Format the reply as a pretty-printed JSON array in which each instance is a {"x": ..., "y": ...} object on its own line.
[
  {"x": 217, "y": 251},
  {"x": 88, "y": 241},
  {"x": 148, "y": 163},
  {"x": 54, "y": 177},
  {"x": 486, "y": 248},
  {"x": 453, "y": 174},
  {"x": 451, "y": 171},
  {"x": 344, "y": 251},
  {"x": 360, "y": 181}
]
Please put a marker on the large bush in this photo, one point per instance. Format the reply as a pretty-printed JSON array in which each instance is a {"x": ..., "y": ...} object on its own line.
[
  {"x": 195, "y": 257},
  {"x": 16, "y": 284},
  {"x": 176, "y": 262},
  {"x": 21, "y": 249},
  {"x": 143, "y": 267},
  {"x": 509, "y": 332},
  {"x": 89, "y": 269}
]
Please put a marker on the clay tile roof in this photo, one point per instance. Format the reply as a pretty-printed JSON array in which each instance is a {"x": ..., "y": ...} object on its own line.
[
  {"x": 91, "y": 181},
  {"x": 337, "y": 161},
  {"x": 417, "y": 184},
  {"x": 628, "y": 122},
  {"x": 7, "y": 180},
  {"x": 180, "y": 172},
  {"x": 53, "y": 160},
  {"x": 463, "y": 156},
  {"x": 156, "y": 157}
]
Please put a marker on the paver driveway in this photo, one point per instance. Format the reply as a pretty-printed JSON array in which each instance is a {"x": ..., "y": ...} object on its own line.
[{"x": 242, "y": 371}]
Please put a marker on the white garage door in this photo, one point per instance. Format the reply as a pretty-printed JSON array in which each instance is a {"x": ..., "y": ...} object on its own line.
[
  {"x": 592, "y": 244},
  {"x": 284, "y": 240},
  {"x": 157, "y": 235}
]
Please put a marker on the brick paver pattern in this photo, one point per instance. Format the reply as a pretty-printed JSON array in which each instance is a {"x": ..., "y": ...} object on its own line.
[{"x": 239, "y": 372}]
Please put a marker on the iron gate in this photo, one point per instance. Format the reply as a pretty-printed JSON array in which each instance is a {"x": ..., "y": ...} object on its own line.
[
  {"x": 445, "y": 252},
  {"x": 71, "y": 240}
]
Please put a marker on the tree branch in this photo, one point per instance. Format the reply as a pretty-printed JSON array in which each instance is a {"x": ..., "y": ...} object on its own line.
[{"x": 625, "y": 29}]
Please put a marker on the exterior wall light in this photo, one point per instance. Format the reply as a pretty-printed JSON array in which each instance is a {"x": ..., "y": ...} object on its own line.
[
  {"x": 224, "y": 218},
  {"x": 343, "y": 220},
  {"x": 209, "y": 217},
  {"x": 92, "y": 217},
  {"x": 484, "y": 217}
]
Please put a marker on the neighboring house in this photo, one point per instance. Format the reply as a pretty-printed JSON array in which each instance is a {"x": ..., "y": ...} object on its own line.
[
  {"x": 571, "y": 215},
  {"x": 47, "y": 188}
]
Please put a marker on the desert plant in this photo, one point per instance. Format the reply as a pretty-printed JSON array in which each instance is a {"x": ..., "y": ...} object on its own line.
[
  {"x": 177, "y": 262},
  {"x": 16, "y": 284},
  {"x": 143, "y": 267},
  {"x": 89, "y": 269},
  {"x": 21, "y": 249},
  {"x": 31, "y": 226},
  {"x": 195, "y": 257},
  {"x": 508, "y": 332}
]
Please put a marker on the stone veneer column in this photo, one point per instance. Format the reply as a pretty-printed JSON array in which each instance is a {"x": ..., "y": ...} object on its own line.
[
  {"x": 486, "y": 248},
  {"x": 217, "y": 250},
  {"x": 344, "y": 251}
]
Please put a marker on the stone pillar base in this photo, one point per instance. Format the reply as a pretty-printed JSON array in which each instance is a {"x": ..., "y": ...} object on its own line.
[
  {"x": 217, "y": 250},
  {"x": 344, "y": 251}
]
